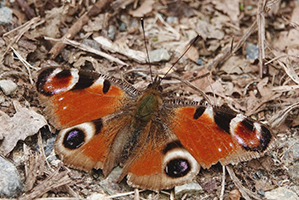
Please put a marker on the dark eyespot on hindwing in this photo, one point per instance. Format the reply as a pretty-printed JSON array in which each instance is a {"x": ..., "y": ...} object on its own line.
[
  {"x": 177, "y": 168},
  {"x": 178, "y": 163},
  {"x": 74, "y": 138}
]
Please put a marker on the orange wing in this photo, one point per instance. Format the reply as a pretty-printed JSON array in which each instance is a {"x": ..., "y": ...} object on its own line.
[
  {"x": 211, "y": 135},
  {"x": 159, "y": 161},
  {"x": 72, "y": 97},
  {"x": 88, "y": 145},
  {"x": 83, "y": 104}
]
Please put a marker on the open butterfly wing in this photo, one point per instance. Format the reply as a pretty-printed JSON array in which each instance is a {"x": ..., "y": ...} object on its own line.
[
  {"x": 73, "y": 97},
  {"x": 159, "y": 161},
  {"x": 211, "y": 135},
  {"x": 82, "y": 105}
]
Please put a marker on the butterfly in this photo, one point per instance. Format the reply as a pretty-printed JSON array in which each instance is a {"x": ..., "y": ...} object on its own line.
[{"x": 160, "y": 143}]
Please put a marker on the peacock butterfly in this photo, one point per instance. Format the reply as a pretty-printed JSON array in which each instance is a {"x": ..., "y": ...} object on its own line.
[{"x": 105, "y": 122}]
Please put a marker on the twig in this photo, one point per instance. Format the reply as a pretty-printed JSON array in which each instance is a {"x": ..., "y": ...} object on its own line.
[
  {"x": 123, "y": 194},
  {"x": 23, "y": 29},
  {"x": 261, "y": 37},
  {"x": 55, "y": 180},
  {"x": 92, "y": 50},
  {"x": 280, "y": 116},
  {"x": 26, "y": 8},
  {"x": 228, "y": 52},
  {"x": 222, "y": 183},
  {"x": 26, "y": 64},
  {"x": 136, "y": 194},
  {"x": 106, "y": 44},
  {"x": 76, "y": 27}
]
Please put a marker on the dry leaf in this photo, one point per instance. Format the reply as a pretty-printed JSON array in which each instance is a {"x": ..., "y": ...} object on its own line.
[
  {"x": 265, "y": 89},
  {"x": 206, "y": 30},
  {"x": 96, "y": 24},
  {"x": 230, "y": 7},
  {"x": 288, "y": 40},
  {"x": 193, "y": 54},
  {"x": 234, "y": 194},
  {"x": 24, "y": 123},
  {"x": 145, "y": 8},
  {"x": 121, "y": 47}
]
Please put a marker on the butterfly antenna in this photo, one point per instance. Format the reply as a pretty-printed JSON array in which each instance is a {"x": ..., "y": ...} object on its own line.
[
  {"x": 190, "y": 45},
  {"x": 145, "y": 44}
]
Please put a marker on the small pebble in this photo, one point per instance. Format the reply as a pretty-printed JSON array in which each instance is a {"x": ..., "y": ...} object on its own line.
[
  {"x": 122, "y": 27},
  {"x": 49, "y": 145},
  {"x": 8, "y": 86},
  {"x": 199, "y": 62},
  {"x": 109, "y": 183},
  {"x": 159, "y": 55},
  {"x": 10, "y": 181},
  {"x": 261, "y": 193},
  {"x": 252, "y": 51},
  {"x": 6, "y": 15},
  {"x": 111, "y": 32},
  {"x": 295, "y": 150},
  {"x": 191, "y": 188},
  {"x": 281, "y": 193},
  {"x": 172, "y": 20},
  {"x": 293, "y": 172}
]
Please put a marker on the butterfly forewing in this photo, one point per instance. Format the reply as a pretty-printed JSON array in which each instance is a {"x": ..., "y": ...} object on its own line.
[{"x": 72, "y": 97}]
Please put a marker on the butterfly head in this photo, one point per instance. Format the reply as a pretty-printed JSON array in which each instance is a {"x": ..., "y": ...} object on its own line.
[{"x": 156, "y": 85}]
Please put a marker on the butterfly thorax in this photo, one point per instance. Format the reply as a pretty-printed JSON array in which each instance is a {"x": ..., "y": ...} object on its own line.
[{"x": 148, "y": 106}]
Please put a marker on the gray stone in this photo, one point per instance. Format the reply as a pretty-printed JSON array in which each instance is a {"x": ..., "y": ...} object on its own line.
[
  {"x": 295, "y": 150},
  {"x": 293, "y": 172},
  {"x": 191, "y": 188},
  {"x": 159, "y": 55},
  {"x": 281, "y": 193},
  {"x": 252, "y": 51},
  {"x": 111, "y": 32},
  {"x": 110, "y": 185},
  {"x": 8, "y": 86},
  {"x": 172, "y": 20},
  {"x": 10, "y": 181},
  {"x": 6, "y": 15}
]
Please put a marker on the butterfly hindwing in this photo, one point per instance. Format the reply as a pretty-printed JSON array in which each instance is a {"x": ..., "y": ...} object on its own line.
[
  {"x": 92, "y": 144},
  {"x": 160, "y": 161},
  {"x": 213, "y": 135}
]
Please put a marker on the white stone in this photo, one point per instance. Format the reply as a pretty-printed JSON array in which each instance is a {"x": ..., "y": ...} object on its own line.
[{"x": 8, "y": 86}]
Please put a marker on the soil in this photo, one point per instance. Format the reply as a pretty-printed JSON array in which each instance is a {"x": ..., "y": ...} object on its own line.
[{"x": 245, "y": 57}]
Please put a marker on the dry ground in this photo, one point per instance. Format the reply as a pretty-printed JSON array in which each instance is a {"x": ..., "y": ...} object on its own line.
[{"x": 262, "y": 83}]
